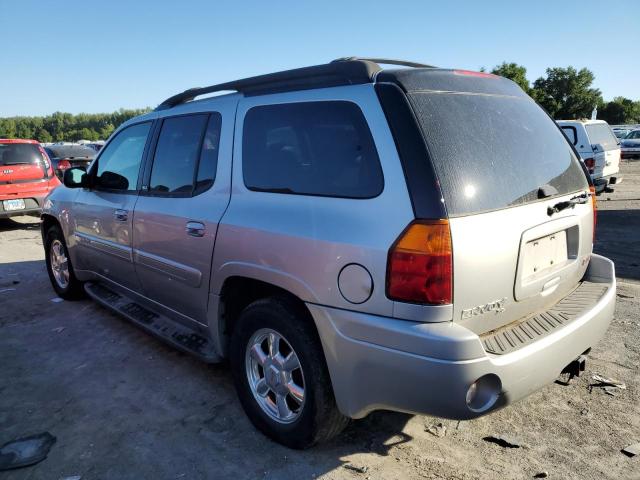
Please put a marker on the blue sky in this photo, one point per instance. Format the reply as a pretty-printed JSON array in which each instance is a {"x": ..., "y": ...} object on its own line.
[{"x": 83, "y": 56}]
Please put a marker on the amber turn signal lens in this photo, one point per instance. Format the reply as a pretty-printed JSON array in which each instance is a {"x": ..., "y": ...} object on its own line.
[{"x": 420, "y": 262}]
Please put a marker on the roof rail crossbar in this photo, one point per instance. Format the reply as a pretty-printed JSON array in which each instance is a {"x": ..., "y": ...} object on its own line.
[
  {"x": 387, "y": 61},
  {"x": 343, "y": 71}
]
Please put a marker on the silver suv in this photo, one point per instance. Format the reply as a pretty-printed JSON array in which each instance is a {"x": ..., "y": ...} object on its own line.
[{"x": 350, "y": 238}]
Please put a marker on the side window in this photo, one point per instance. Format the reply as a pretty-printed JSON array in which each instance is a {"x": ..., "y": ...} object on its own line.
[
  {"x": 177, "y": 152},
  {"x": 119, "y": 164},
  {"x": 571, "y": 134},
  {"x": 209, "y": 155},
  {"x": 311, "y": 148}
]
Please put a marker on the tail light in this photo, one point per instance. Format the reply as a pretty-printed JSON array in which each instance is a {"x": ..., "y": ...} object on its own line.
[
  {"x": 420, "y": 265},
  {"x": 45, "y": 162},
  {"x": 64, "y": 164},
  {"x": 590, "y": 163},
  {"x": 592, "y": 189}
]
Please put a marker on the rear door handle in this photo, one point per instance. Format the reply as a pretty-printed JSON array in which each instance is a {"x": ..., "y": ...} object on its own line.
[
  {"x": 121, "y": 215},
  {"x": 195, "y": 229}
]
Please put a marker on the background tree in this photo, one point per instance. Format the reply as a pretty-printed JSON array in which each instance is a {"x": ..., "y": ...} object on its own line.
[
  {"x": 566, "y": 93},
  {"x": 59, "y": 126},
  {"x": 514, "y": 72},
  {"x": 619, "y": 111}
]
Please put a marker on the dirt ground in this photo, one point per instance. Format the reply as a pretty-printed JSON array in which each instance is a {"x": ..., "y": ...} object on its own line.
[{"x": 123, "y": 405}]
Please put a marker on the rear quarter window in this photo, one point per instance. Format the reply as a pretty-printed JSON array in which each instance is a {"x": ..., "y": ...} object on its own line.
[
  {"x": 491, "y": 152},
  {"x": 601, "y": 133},
  {"x": 571, "y": 133},
  {"x": 310, "y": 148}
]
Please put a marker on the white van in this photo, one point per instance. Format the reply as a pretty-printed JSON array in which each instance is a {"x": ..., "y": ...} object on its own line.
[{"x": 598, "y": 147}]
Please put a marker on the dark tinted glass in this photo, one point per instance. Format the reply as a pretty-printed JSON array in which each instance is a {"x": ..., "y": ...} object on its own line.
[
  {"x": 67, "y": 151},
  {"x": 601, "y": 133},
  {"x": 19, "y": 153},
  {"x": 491, "y": 152},
  {"x": 119, "y": 164},
  {"x": 633, "y": 135},
  {"x": 313, "y": 148},
  {"x": 177, "y": 154},
  {"x": 209, "y": 155}
]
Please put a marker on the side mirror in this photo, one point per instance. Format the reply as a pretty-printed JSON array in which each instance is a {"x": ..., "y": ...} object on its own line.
[{"x": 75, "y": 177}]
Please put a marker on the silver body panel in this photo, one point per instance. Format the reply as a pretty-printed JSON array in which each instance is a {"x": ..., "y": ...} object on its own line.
[{"x": 380, "y": 353}]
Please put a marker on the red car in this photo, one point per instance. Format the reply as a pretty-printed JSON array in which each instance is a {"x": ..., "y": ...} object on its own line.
[{"x": 26, "y": 177}]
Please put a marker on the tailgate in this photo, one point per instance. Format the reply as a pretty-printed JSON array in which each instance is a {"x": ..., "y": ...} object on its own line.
[
  {"x": 513, "y": 262},
  {"x": 501, "y": 163},
  {"x": 611, "y": 162}
]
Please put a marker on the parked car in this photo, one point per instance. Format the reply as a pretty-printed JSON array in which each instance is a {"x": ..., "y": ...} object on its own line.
[
  {"x": 351, "y": 238},
  {"x": 620, "y": 132},
  {"x": 26, "y": 177},
  {"x": 66, "y": 156},
  {"x": 97, "y": 146},
  {"x": 630, "y": 144},
  {"x": 599, "y": 149}
]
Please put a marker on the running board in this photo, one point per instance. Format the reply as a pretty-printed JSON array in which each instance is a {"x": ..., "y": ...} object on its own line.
[{"x": 176, "y": 334}]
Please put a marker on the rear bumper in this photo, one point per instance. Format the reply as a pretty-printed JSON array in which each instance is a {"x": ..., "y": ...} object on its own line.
[
  {"x": 33, "y": 205},
  {"x": 383, "y": 363}
]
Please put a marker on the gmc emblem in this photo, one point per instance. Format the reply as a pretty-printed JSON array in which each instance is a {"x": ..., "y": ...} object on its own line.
[{"x": 7, "y": 172}]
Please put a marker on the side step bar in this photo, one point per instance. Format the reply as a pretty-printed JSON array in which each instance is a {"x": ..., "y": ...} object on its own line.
[{"x": 174, "y": 333}]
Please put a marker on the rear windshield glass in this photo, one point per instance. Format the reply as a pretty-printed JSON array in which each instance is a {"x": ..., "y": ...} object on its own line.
[
  {"x": 71, "y": 151},
  {"x": 492, "y": 152},
  {"x": 19, "y": 153},
  {"x": 601, "y": 133}
]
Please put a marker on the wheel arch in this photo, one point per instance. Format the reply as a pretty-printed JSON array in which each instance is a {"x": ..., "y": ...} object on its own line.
[{"x": 239, "y": 291}]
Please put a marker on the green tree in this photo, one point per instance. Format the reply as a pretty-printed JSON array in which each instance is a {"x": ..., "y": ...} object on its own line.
[
  {"x": 61, "y": 126},
  {"x": 619, "y": 111},
  {"x": 43, "y": 136},
  {"x": 566, "y": 93},
  {"x": 514, "y": 72}
]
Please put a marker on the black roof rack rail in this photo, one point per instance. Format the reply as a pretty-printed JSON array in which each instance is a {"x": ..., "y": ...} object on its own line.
[
  {"x": 387, "y": 61},
  {"x": 343, "y": 71}
]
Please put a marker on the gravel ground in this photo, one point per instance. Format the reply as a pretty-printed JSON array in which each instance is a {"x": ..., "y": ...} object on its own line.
[{"x": 125, "y": 406}]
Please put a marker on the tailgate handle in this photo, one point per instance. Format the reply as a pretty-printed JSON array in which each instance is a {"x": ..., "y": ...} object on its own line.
[{"x": 550, "y": 286}]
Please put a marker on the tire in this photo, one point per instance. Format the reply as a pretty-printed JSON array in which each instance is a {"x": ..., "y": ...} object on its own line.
[
  {"x": 317, "y": 418},
  {"x": 54, "y": 241}
]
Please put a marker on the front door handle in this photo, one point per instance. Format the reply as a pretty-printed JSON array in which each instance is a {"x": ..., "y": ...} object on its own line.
[
  {"x": 195, "y": 229},
  {"x": 121, "y": 215}
]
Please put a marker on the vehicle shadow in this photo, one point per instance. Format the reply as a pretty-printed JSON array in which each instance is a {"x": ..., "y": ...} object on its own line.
[
  {"x": 24, "y": 222},
  {"x": 123, "y": 404},
  {"x": 617, "y": 239}
]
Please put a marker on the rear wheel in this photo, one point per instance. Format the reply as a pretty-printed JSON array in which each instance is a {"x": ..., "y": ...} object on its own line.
[
  {"x": 281, "y": 375},
  {"x": 59, "y": 266}
]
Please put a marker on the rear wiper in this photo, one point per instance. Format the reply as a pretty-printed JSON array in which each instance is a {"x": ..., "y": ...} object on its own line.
[{"x": 572, "y": 202}]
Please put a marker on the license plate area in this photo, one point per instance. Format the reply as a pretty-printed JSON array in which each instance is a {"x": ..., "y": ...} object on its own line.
[
  {"x": 14, "y": 204},
  {"x": 543, "y": 255},
  {"x": 548, "y": 256}
]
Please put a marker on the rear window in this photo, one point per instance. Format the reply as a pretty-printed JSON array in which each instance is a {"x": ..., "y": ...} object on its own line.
[
  {"x": 492, "y": 152},
  {"x": 601, "y": 133},
  {"x": 19, "y": 153},
  {"x": 310, "y": 148},
  {"x": 70, "y": 151}
]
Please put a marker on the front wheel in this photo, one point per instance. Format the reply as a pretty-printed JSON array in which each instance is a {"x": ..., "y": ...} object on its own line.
[
  {"x": 281, "y": 375},
  {"x": 59, "y": 266}
]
